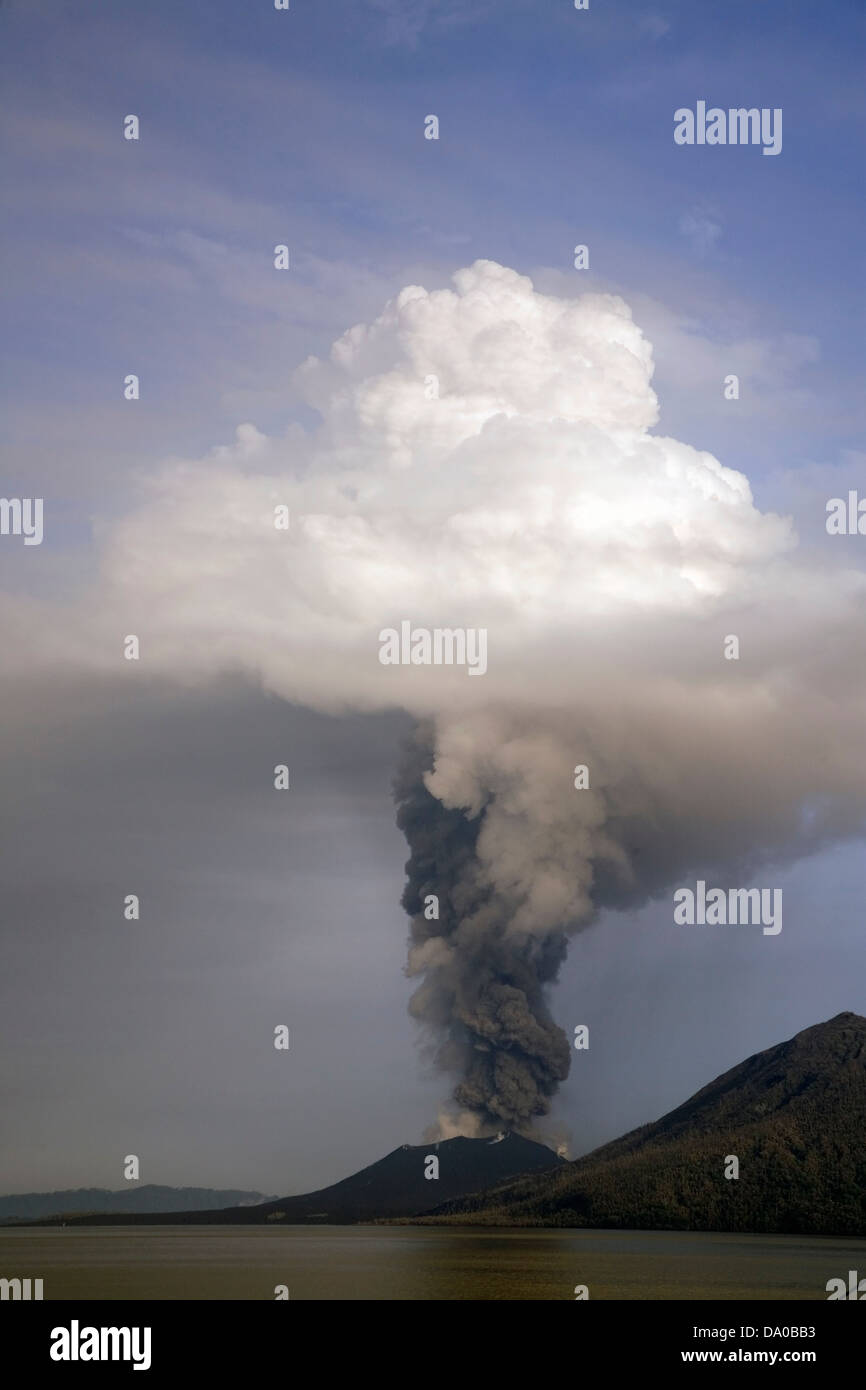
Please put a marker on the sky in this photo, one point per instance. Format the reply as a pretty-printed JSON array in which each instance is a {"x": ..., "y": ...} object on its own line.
[{"x": 155, "y": 257}]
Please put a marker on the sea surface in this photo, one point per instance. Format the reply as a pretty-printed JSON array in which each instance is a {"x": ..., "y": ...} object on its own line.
[{"x": 405, "y": 1262}]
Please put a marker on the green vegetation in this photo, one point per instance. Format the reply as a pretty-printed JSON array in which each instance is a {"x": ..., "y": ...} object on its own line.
[{"x": 794, "y": 1116}]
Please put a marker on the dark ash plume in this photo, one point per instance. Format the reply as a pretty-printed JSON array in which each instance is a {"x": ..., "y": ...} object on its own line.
[{"x": 483, "y": 990}]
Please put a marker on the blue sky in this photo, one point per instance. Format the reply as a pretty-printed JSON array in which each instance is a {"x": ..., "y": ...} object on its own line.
[
  {"x": 261, "y": 127},
  {"x": 307, "y": 127}
]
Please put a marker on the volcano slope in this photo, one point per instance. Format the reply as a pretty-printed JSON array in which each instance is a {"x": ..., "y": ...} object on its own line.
[
  {"x": 394, "y": 1186},
  {"x": 793, "y": 1116}
]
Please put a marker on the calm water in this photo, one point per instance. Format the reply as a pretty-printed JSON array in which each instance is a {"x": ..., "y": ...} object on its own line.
[{"x": 402, "y": 1262}]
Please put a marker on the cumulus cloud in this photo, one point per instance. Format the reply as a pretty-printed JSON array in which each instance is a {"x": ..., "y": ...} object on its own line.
[
  {"x": 486, "y": 460},
  {"x": 528, "y": 496}
]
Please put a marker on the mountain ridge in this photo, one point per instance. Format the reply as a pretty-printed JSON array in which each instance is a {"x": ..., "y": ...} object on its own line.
[
  {"x": 64, "y": 1202},
  {"x": 793, "y": 1116},
  {"x": 392, "y": 1186}
]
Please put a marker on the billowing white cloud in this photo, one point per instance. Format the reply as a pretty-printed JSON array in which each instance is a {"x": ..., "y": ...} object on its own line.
[{"x": 486, "y": 460}]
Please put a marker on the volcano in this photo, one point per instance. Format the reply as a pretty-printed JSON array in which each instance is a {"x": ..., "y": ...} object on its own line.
[
  {"x": 394, "y": 1186},
  {"x": 793, "y": 1117}
]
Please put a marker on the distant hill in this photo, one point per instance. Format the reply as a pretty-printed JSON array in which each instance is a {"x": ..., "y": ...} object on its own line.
[
  {"x": 392, "y": 1187},
  {"x": 794, "y": 1116},
  {"x": 33, "y": 1206}
]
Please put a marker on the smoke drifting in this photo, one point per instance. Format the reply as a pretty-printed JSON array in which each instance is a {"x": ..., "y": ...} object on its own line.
[
  {"x": 608, "y": 565},
  {"x": 483, "y": 991}
]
